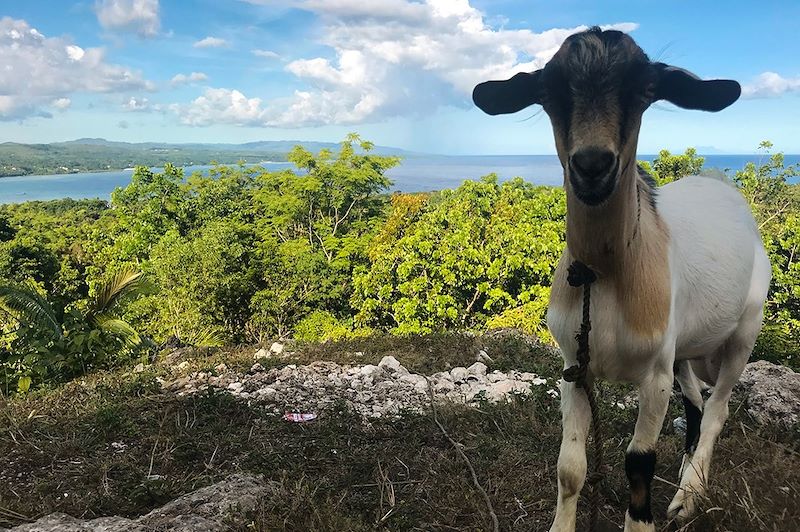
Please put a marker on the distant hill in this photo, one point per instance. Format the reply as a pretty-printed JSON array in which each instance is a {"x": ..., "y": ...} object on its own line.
[{"x": 97, "y": 154}]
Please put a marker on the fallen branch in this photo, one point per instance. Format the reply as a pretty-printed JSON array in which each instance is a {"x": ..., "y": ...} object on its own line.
[{"x": 457, "y": 447}]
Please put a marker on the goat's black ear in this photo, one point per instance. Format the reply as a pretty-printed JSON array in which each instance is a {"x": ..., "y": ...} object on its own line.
[
  {"x": 509, "y": 96},
  {"x": 686, "y": 90}
]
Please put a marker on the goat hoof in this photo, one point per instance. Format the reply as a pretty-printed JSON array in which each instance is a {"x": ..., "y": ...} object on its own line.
[{"x": 683, "y": 507}]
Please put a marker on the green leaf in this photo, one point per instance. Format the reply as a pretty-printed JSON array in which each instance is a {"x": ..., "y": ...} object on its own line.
[{"x": 23, "y": 384}]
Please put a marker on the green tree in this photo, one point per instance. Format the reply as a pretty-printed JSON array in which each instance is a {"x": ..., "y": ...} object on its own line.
[
  {"x": 150, "y": 206},
  {"x": 776, "y": 206},
  {"x": 479, "y": 252},
  {"x": 668, "y": 167},
  {"x": 206, "y": 280},
  {"x": 315, "y": 227}
]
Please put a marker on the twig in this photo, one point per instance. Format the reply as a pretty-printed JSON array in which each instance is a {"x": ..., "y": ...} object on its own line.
[
  {"x": 457, "y": 447},
  {"x": 7, "y": 512},
  {"x": 152, "y": 458},
  {"x": 376, "y": 485},
  {"x": 210, "y": 463}
]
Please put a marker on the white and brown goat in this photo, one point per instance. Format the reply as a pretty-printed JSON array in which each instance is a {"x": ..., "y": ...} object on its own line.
[{"x": 682, "y": 274}]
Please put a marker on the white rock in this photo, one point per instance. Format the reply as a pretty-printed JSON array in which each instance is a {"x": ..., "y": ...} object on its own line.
[
  {"x": 255, "y": 368},
  {"x": 220, "y": 368},
  {"x": 475, "y": 392},
  {"x": 478, "y": 369},
  {"x": 389, "y": 363},
  {"x": 138, "y": 368},
  {"x": 370, "y": 369},
  {"x": 235, "y": 386},
  {"x": 496, "y": 376},
  {"x": 533, "y": 378},
  {"x": 443, "y": 386},
  {"x": 483, "y": 356},
  {"x": 500, "y": 390},
  {"x": 276, "y": 348},
  {"x": 261, "y": 353},
  {"x": 459, "y": 374},
  {"x": 414, "y": 379},
  {"x": 183, "y": 365}
]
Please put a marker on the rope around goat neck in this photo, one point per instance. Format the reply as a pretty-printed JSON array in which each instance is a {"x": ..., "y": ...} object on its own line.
[{"x": 580, "y": 274}]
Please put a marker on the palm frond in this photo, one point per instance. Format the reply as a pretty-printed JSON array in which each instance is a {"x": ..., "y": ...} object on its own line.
[
  {"x": 125, "y": 282},
  {"x": 205, "y": 337},
  {"x": 30, "y": 308},
  {"x": 117, "y": 327}
]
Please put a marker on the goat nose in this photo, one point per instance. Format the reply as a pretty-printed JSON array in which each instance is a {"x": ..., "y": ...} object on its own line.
[{"x": 593, "y": 163}]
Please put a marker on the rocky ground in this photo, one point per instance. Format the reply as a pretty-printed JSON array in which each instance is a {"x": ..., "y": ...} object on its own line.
[
  {"x": 373, "y": 391},
  {"x": 214, "y": 508},
  {"x": 771, "y": 392},
  {"x": 278, "y": 384}
]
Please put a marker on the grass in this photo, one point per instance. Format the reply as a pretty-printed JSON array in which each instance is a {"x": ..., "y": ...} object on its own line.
[{"x": 112, "y": 443}]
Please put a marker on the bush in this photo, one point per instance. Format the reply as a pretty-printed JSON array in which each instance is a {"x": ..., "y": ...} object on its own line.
[{"x": 319, "y": 326}]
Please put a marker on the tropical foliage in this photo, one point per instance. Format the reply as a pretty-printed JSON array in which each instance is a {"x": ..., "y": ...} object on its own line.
[{"x": 242, "y": 254}]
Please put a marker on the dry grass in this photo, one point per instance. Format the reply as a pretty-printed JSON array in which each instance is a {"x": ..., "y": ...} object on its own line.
[{"x": 114, "y": 444}]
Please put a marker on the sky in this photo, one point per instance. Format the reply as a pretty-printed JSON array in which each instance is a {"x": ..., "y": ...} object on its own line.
[{"x": 399, "y": 72}]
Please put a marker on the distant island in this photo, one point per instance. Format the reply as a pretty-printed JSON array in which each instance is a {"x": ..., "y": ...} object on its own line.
[{"x": 99, "y": 155}]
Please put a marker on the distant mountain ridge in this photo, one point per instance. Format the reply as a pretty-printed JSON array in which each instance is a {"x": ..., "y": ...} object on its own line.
[
  {"x": 98, "y": 154},
  {"x": 265, "y": 145}
]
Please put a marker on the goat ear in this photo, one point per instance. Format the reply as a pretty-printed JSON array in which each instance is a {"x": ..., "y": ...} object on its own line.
[
  {"x": 686, "y": 90},
  {"x": 508, "y": 96}
]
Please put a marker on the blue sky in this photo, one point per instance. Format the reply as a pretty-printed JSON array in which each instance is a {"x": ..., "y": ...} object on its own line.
[{"x": 399, "y": 72}]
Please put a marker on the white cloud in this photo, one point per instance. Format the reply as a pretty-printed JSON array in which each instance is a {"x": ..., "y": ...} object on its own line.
[
  {"x": 267, "y": 54},
  {"x": 61, "y": 103},
  {"x": 137, "y": 104},
  {"x": 182, "y": 79},
  {"x": 75, "y": 53},
  {"x": 139, "y": 16},
  {"x": 222, "y": 105},
  {"x": 210, "y": 42},
  {"x": 388, "y": 58},
  {"x": 38, "y": 71},
  {"x": 770, "y": 85}
]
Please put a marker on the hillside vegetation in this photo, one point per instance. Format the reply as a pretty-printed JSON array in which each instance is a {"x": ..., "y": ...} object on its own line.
[{"x": 242, "y": 255}]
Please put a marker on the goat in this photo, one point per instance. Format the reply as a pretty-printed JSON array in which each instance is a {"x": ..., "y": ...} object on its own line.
[{"x": 682, "y": 274}]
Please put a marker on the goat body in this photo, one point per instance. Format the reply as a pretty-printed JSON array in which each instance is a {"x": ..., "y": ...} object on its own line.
[
  {"x": 682, "y": 274},
  {"x": 718, "y": 275}
]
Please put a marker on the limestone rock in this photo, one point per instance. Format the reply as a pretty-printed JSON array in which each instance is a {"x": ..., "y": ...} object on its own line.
[
  {"x": 390, "y": 363},
  {"x": 478, "y": 369},
  {"x": 276, "y": 348},
  {"x": 772, "y": 393},
  {"x": 459, "y": 374},
  {"x": 215, "y": 508}
]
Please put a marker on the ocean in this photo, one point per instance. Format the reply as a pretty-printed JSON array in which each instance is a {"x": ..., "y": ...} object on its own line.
[{"x": 415, "y": 174}]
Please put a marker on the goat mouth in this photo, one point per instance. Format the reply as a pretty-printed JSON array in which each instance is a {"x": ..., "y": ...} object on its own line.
[{"x": 596, "y": 192}]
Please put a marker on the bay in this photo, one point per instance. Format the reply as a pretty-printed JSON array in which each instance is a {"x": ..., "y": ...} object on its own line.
[{"x": 415, "y": 174}]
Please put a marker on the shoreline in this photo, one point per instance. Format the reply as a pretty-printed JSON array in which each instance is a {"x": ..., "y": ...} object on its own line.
[{"x": 129, "y": 169}]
